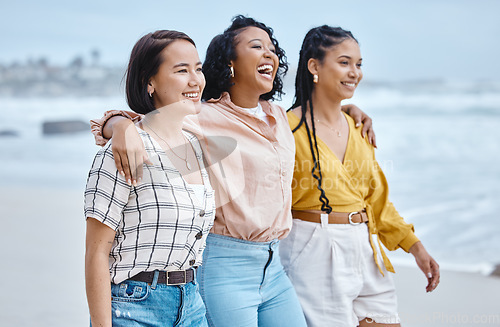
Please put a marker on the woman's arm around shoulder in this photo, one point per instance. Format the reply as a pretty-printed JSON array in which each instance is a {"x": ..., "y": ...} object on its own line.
[
  {"x": 128, "y": 148},
  {"x": 360, "y": 117}
]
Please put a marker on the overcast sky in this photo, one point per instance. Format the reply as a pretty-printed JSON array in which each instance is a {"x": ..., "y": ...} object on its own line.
[{"x": 400, "y": 39}]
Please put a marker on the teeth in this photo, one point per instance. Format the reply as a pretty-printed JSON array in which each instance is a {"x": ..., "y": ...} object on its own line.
[
  {"x": 349, "y": 84},
  {"x": 191, "y": 95},
  {"x": 265, "y": 69}
]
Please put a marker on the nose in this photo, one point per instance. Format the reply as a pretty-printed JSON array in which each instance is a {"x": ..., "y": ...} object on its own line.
[
  {"x": 195, "y": 79},
  {"x": 354, "y": 72},
  {"x": 268, "y": 53}
]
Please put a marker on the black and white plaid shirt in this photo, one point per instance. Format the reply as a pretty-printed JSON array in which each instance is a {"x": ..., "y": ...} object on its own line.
[{"x": 160, "y": 224}]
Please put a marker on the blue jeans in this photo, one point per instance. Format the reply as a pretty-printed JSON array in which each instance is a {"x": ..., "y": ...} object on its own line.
[
  {"x": 140, "y": 304},
  {"x": 243, "y": 284}
]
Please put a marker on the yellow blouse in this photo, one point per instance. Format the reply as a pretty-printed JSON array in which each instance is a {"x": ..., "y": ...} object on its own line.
[{"x": 355, "y": 184}]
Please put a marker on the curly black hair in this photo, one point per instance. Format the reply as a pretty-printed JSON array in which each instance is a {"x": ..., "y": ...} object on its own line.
[
  {"x": 315, "y": 45},
  {"x": 222, "y": 50}
]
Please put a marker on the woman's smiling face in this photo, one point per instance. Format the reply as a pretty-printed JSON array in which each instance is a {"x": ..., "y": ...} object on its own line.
[
  {"x": 339, "y": 73},
  {"x": 179, "y": 76},
  {"x": 256, "y": 62}
]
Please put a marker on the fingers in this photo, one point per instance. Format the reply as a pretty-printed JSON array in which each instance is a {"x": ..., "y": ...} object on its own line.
[
  {"x": 118, "y": 161},
  {"x": 427, "y": 271},
  {"x": 126, "y": 169},
  {"x": 122, "y": 163},
  {"x": 372, "y": 138},
  {"x": 133, "y": 169},
  {"x": 436, "y": 276},
  {"x": 139, "y": 160},
  {"x": 366, "y": 128},
  {"x": 369, "y": 131}
]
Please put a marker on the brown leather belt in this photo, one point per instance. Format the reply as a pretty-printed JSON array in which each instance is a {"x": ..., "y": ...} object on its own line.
[
  {"x": 353, "y": 218},
  {"x": 174, "y": 277}
]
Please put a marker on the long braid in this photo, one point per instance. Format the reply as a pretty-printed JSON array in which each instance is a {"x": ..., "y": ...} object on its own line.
[{"x": 315, "y": 44}]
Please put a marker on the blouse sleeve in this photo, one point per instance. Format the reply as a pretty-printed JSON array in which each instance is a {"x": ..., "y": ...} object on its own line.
[
  {"x": 107, "y": 193},
  {"x": 96, "y": 125},
  {"x": 391, "y": 228}
]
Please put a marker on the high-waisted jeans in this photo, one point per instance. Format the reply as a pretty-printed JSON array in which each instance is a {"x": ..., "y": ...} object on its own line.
[
  {"x": 243, "y": 284},
  {"x": 137, "y": 303}
]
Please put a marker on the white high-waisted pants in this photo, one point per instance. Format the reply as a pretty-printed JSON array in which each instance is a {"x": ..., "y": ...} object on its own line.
[{"x": 335, "y": 276}]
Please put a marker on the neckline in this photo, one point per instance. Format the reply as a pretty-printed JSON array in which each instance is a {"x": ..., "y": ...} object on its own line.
[
  {"x": 226, "y": 99},
  {"x": 349, "y": 125},
  {"x": 164, "y": 154}
]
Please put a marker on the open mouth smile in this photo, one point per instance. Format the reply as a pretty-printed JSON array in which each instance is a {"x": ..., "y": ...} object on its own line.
[
  {"x": 192, "y": 95},
  {"x": 266, "y": 71},
  {"x": 348, "y": 84}
]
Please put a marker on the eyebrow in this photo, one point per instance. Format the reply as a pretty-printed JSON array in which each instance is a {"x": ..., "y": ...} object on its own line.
[
  {"x": 184, "y": 64},
  {"x": 255, "y": 40},
  {"x": 345, "y": 56}
]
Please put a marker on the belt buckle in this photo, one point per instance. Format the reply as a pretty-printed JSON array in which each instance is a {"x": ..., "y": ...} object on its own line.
[
  {"x": 350, "y": 218},
  {"x": 173, "y": 284}
]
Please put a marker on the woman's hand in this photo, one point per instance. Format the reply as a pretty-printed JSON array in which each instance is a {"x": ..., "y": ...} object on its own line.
[
  {"x": 128, "y": 150},
  {"x": 427, "y": 264},
  {"x": 360, "y": 117}
]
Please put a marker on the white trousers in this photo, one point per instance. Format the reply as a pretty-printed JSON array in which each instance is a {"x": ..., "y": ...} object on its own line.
[{"x": 335, "y": 276}]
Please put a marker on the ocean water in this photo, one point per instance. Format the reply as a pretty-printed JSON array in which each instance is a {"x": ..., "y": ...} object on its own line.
[{"x": 439, "y": 149}]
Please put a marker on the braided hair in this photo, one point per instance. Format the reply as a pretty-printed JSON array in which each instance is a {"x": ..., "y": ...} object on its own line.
[{"x": 315, "y": 45}]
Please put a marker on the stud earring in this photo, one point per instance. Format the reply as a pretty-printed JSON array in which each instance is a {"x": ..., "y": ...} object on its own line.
[
  {"x": 315, "y": 79},
  {"x": 232, "y": 71}
]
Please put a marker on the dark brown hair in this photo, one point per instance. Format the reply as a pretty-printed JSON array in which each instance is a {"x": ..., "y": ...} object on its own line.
[{"x": 145, "y": 60}]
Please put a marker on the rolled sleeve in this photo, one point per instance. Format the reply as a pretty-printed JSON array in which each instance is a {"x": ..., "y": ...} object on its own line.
[
  {"x": 408, "y": 241},
  {"x": 96, "y": 125}
]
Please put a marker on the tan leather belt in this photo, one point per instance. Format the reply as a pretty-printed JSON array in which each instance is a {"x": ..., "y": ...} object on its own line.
[{"x": 353, "y": 218}]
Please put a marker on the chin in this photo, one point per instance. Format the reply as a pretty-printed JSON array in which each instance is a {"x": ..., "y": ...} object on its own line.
[{"x": 197, "y": 107}]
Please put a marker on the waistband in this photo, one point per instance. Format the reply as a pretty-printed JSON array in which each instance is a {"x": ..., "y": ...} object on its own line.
[
  {"x": 233, "y": 242},
  {"x": 353, "y": 218}
]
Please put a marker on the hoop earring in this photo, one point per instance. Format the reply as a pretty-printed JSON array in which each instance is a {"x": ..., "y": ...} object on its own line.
[
  {"x": 151, "y": 94},
  {"x": 315, "y": 79},
  {"x": 232, "y": 71}
]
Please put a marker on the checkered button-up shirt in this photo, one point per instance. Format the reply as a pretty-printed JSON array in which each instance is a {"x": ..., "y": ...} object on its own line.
[{"x": 160, "y": 224}]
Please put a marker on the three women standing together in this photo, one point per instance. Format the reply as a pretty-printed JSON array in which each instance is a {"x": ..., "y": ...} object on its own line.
[{"x": 250, "y": 150}]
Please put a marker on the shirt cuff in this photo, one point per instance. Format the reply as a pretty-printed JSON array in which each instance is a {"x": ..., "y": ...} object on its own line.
[
  {"x": 96, "y": 125},
  {"x": 408, "y": 241}
]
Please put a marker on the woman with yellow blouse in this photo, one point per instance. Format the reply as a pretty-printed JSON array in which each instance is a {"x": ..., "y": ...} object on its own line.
[{"x": 340, "y": 198}]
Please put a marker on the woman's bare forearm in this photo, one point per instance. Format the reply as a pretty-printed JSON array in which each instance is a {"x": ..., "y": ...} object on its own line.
[{"x": 107, "y": 129}]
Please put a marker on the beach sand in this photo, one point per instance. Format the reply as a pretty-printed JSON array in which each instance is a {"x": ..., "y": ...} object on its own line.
[
  {"x": 461, "y": 299},
  {"x": 42, "y": 255}
]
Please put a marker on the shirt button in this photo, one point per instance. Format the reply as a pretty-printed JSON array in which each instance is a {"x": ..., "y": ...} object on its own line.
[
  {"x": 191, "y": 262},
  {"x": 202, "y": 213},
  {"x": 283, "y": 173},
  {"x": 199, "y": 235}
]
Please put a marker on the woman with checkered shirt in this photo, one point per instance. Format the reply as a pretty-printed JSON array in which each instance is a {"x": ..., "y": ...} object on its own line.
[{"x": 144, "y": 242}]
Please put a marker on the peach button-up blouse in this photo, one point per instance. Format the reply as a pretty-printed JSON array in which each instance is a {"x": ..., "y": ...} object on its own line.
[{"x": 250, "y": 163}]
